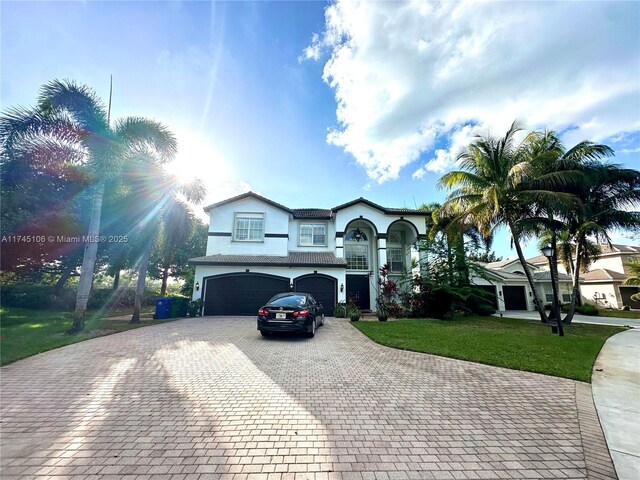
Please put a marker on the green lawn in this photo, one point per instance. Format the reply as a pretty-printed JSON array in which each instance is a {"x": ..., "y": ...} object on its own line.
[
  {"x": 26, "y": 332},
  {"x": 504, "y": 342},
  {"x": 619, "y": 313}
]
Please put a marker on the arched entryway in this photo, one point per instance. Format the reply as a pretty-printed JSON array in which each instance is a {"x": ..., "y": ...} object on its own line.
[{"x": 360, "y": 252}]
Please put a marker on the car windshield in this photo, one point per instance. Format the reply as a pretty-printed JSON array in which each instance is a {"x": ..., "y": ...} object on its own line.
[{"x": 291, "y": 301}]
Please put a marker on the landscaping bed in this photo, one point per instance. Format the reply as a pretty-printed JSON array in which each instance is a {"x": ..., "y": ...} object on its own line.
[{"x": 504, "y": 342}]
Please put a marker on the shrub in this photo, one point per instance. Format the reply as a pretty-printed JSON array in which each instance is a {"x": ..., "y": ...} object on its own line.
[
  {"x": 194, "y": 309},
  {"x": 587, "y": 309},
  {"x": 340, "y": 310},
  {"x": 37, "y": 297}
]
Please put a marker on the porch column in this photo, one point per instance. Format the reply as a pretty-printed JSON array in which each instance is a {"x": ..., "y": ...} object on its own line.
[
  {"x": 382, "y": 253},
  {"x": 340, "y": 245}
]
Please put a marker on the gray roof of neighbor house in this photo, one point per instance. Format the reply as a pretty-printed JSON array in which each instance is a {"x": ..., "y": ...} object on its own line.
[
  {"x": 602, "y": 275},
  {"x": 545, "y": 275},
  {"x": 319, "y": 213},
  {"x": 605, "y": 249},
  {"x": 501, "y": 263},
  {"x": 293, "y": 259}
]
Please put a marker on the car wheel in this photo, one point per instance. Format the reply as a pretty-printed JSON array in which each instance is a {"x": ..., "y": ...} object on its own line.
[
  {"x": 312, "y": 333},
  {"x": 265, "y": 333}
]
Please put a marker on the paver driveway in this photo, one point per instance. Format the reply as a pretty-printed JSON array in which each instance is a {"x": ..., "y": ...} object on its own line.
[{"x": 210, "y": 398}]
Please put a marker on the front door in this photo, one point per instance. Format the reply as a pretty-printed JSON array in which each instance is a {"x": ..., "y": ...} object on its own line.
[{"x": 358, "y": 290}]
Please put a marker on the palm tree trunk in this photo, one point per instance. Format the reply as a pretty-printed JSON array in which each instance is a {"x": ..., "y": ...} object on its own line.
[
  {"x": 116, "y": 280},
  {"x": 88, "y": 261},
  {"x": 576, "y": 284},
  {"x": 527, "y": 272},
  {"x": 165, "y": 277},
  {"x": 142, "y": 277}
]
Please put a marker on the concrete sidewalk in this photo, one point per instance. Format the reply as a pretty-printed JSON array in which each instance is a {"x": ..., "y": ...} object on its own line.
[
  {"x": 619, "y": 322},
  {"x": 616, "y": 394}
]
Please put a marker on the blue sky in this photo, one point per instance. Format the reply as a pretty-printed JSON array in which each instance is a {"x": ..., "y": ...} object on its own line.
[{"x": 313, "y": 104}]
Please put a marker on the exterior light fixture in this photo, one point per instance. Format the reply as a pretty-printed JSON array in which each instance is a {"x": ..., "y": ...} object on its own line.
[
  {"x": 291, "y": 286},
  {"x": 197, "y": 286},
  {"x": 547, "y": 251},
  {"x": 341, "y": 287}
]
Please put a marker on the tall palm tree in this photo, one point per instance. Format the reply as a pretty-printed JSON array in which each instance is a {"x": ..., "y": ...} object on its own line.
[
  {"x": 71, "y": 118},
  {"x": 495, "y": 187},
  {"x": 607, "y": 198},
  {"x": 156, "y": 193}
]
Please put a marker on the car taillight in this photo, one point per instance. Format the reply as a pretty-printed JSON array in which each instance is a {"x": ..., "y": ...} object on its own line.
[
  {"x": 263, "y": 313},
  {"x": 301, "y": 313}
]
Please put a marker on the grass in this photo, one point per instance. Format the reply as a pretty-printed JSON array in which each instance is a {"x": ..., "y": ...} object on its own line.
[
  {"x": 27, "y": 332},
  {"x": 504, "y": 342},
  {"x": 619, "y": 313}
]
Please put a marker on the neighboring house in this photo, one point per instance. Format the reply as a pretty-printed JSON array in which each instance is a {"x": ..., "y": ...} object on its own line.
[
  {"x": 603, "y": 285},
  {"x": 509, "y": 287},
  {"x": 257, "y": 248}
]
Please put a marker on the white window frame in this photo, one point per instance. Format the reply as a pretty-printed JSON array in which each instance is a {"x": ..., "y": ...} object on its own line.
[
  {"x": 396, "y": 250},
  {"x": 396, "y": 246},
  {"x": 248, "y": 216},
  {"x": 313, "y": 226},
  {"x": 349, "y": 248}
]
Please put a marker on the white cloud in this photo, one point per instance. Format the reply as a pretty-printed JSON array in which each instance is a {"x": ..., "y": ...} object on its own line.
[{"x": 409, "y": 77}]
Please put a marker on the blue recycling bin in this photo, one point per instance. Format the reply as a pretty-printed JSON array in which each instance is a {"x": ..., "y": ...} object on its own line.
[{"x": 163, "y": 308}]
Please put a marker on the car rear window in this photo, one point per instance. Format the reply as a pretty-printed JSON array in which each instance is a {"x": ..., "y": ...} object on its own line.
[{"x": 291, "y": 301}]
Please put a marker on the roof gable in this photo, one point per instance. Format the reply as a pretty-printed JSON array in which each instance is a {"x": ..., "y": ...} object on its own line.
[
  {"x": 237, "y": 198},
  {"x": 385, "y": 210}
]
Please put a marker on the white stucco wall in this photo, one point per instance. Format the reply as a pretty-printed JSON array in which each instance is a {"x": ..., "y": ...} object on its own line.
[
  {"x": 378, "y": 218},
  {"x": 222, "y": 219},
  {"x": 294, "y": 233},
  {"x": 610, "y": 290}
]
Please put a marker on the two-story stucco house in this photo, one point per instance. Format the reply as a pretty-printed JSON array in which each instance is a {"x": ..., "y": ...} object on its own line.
[
  {"x": 257, "y": 248},
  {"x": 603, "y": 285}
]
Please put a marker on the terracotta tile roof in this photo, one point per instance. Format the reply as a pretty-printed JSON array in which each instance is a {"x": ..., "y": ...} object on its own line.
[
  {"x": 540, "y": 259},
  {"x": 319, "y": 213},
  {"x": 293, "y": 259},
  {"x": 602, "y": 275}
]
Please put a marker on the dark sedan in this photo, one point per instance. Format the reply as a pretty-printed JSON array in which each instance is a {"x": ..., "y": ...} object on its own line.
[{"x": 291, "y": 312}]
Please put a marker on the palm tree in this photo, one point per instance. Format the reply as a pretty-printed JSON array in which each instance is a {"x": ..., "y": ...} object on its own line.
[
  {"x": 607, "y": 198},
  {"x": 157, "y": 195},
  {"x": 491, "y": 190},
  {"x": 70, "y": 118}
]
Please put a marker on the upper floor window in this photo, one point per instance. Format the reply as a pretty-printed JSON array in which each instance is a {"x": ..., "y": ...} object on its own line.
[
  {"x": 313, "y": 234},
  {"x": 356, "y": 235},
  {"x": 249, "y": 227},
  {"x": 395, "y": 259}
]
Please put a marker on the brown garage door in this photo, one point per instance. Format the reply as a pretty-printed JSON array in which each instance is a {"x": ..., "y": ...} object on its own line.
[
  {"x": 240, "y": 293},
  {"x": 323, "y": 288}
]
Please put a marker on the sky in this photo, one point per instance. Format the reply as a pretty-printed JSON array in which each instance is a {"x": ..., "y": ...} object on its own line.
[{"x": 313, "y": 104}]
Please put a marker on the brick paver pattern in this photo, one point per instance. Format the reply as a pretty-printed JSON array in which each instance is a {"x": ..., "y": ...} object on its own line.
[{"x": 209, "y": 398}]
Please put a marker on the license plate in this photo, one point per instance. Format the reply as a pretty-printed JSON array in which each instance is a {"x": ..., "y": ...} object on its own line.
[{"x": 281, "y": 316}]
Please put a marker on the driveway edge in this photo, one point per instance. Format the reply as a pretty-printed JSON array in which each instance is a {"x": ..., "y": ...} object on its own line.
[
  {"x": 616, "y": 394},
  {"x": 596, "y": 453}
]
